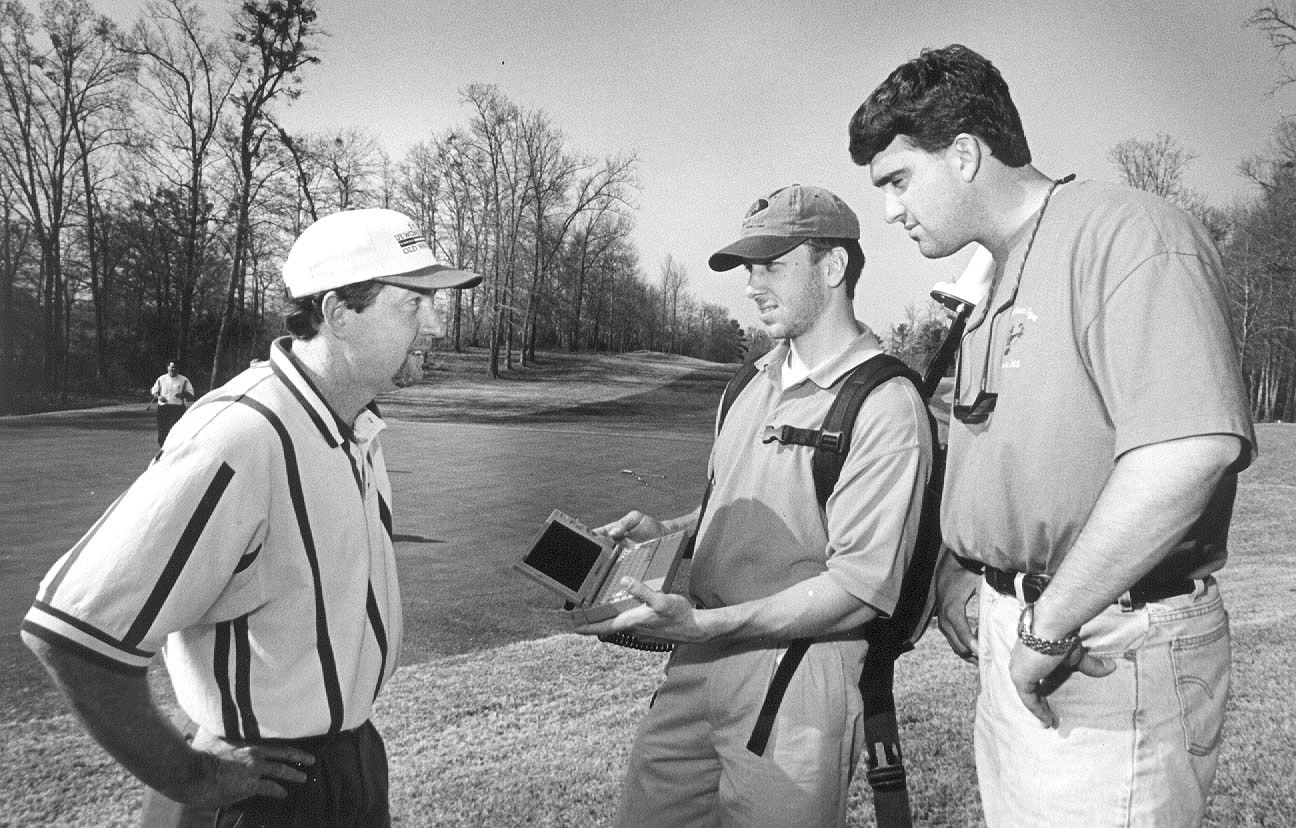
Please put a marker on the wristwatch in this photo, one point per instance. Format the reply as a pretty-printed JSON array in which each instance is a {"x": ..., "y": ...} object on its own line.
[{"x": 1058, "y": 647}]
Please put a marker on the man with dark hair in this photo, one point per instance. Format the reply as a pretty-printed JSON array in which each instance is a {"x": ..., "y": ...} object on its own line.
[
  {"x": 770, "y": 566},
  {"x": 256, "y": 553},
  {"x": 1100, "y": 421},
  {"x": 171, "y": 392}
]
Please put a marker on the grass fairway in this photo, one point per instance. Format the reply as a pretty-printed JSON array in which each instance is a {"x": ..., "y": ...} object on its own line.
[{"x": 535, "y": 732}]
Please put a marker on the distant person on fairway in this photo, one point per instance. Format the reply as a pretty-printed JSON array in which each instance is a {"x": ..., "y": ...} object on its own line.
[
  {"x": 171, "y": 392},
  {"x": 256, "y": 554},
  {"x": 769, "y": 565},
  {"x": 1100, "y": 421}
]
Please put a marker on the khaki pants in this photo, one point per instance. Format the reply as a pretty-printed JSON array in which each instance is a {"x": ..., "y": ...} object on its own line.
[{"x": 690, "y": 766}]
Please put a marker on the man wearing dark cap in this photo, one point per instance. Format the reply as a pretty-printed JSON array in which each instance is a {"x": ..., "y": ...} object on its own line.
[
  {"x": 769, "y": 565},
  {"x": 256, "y": 553}
]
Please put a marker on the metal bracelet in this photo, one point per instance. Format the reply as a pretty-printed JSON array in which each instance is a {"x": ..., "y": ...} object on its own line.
[{"x": 1059, "y": 647}]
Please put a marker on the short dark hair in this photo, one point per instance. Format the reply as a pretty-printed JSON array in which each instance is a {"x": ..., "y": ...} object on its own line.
[
  {"x": 932, "y": 99},
  {"x": 306, "y": 313},
  {"x": 854, "y": 258}
]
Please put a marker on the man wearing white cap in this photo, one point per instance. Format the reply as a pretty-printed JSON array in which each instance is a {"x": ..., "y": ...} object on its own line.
[
  {"x": 256, "y": 554},
  {"x": 770, "y": 566}
]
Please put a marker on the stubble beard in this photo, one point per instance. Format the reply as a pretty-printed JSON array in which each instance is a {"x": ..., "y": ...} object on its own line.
[{"x": 410, "y": 372}]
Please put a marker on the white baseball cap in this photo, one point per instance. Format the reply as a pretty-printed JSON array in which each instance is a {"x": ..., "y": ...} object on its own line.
[{"x": 366, "y": 245}]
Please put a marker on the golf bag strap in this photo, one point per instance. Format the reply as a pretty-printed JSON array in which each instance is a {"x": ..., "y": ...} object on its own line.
[{"x": 774, "y": 695}]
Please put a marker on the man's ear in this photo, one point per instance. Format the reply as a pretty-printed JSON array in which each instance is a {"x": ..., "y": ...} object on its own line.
[
  {"x": 334, "y": 311},
  {"x": 836, "y": 260},
  {"x": 965, "y": 153}
]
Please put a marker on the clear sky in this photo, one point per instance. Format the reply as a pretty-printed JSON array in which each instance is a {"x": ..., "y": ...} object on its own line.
[{"x": 727, "y": 101}]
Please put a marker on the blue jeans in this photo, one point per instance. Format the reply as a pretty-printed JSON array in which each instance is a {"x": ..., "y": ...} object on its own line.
[{"x": 1135, "y": 748}]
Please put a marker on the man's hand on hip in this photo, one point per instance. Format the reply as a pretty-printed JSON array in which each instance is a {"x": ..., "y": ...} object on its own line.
[{"x": 227, "y": 773}]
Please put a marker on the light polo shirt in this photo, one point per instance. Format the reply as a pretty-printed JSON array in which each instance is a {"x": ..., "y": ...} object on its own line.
[
  {"x": 1119, "y": 337},
  {"x": 763, "y": 530},
  {"x": 172, "y": 390},
  {"x": 256, "y": 553}
]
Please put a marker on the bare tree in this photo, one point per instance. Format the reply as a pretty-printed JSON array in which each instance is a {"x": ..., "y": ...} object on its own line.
[
  {"x": 274, "y": 42},
  {"x": 565, "y": 188},
  {"x": 36, "y": 144},
  {"x": 187, "y": 78},
  {"x": 352, "y": 162},
  {"x": 674, "y": 278},
  {"x": 1278, "y": 23},
  {"x": 1155, "y": 166},
  {"x": 495, "y": 158},
  {"x": 461, "y": 230},
  {"x": 1158, "y": 167},
  {"x": 93, "y": 75},
  {"x": 13, "y": 241}
]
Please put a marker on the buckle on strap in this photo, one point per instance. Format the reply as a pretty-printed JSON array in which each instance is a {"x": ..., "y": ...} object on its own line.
[
  {"x": 831, "y": 441},
  {"x": 777, "y": 434}
]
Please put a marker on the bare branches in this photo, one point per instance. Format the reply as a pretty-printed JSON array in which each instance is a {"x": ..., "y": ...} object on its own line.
[{"x": 1278, "y": 24}]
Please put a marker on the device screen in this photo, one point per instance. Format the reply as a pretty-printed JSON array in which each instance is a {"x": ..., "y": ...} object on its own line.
[{"x": 564, "y": 555}]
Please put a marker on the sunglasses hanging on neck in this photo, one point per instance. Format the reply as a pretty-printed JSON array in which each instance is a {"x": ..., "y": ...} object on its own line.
[{"x": 979, "y": 410}]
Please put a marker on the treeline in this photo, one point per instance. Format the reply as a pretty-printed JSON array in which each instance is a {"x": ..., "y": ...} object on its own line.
[{"x": 148, "y": 193}]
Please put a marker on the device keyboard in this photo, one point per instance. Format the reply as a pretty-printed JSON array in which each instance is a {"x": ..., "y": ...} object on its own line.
[{"x": 632, "y": 563}]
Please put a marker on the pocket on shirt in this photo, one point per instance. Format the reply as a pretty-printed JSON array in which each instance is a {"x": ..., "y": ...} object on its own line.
[{"x": 1201, "y": 673}]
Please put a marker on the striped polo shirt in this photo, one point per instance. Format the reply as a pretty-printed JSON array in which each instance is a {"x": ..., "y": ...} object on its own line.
[{"x": 255, "y": 552}]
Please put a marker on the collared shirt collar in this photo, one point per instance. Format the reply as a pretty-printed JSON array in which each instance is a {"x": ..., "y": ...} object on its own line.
[
  {"x": 367, "y": 423},
  {"x": 864, "y": 346}
]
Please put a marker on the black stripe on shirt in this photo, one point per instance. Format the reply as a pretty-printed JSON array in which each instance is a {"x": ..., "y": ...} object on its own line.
[
  {"x": 384, "y": 513},
  {"x": 323, "y": 645},
  {"x": 380, "y": 633},
  {"x": 301, "y": 398},
  {"x": 243, "y": 677},
  {"x": 180, "y": 556},
  {"x": 355, "y": 469},
  {"x": 93, "y": 632},
  {"x": 80, "y": 650},
  {"x": 221, "y": 671}
]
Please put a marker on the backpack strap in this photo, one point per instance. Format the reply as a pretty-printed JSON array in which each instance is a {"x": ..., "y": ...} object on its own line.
[
  {"x": 774, "y": 695},
  {"x": 832, "y": 440},
  {"x": 839, "y": 422},
  {"x": 733, "y": 388},
  {"x": 831, "y": 443}
]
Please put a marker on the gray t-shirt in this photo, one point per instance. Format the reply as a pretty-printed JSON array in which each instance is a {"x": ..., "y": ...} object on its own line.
[{"x": 1119, "y": 337}]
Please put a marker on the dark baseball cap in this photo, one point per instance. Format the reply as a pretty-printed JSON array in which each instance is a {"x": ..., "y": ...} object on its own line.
[{"x": 783, "y": 220}]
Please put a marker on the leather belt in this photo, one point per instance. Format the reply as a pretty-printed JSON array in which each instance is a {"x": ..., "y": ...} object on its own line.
[{"x": 1004, "y": 581}]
